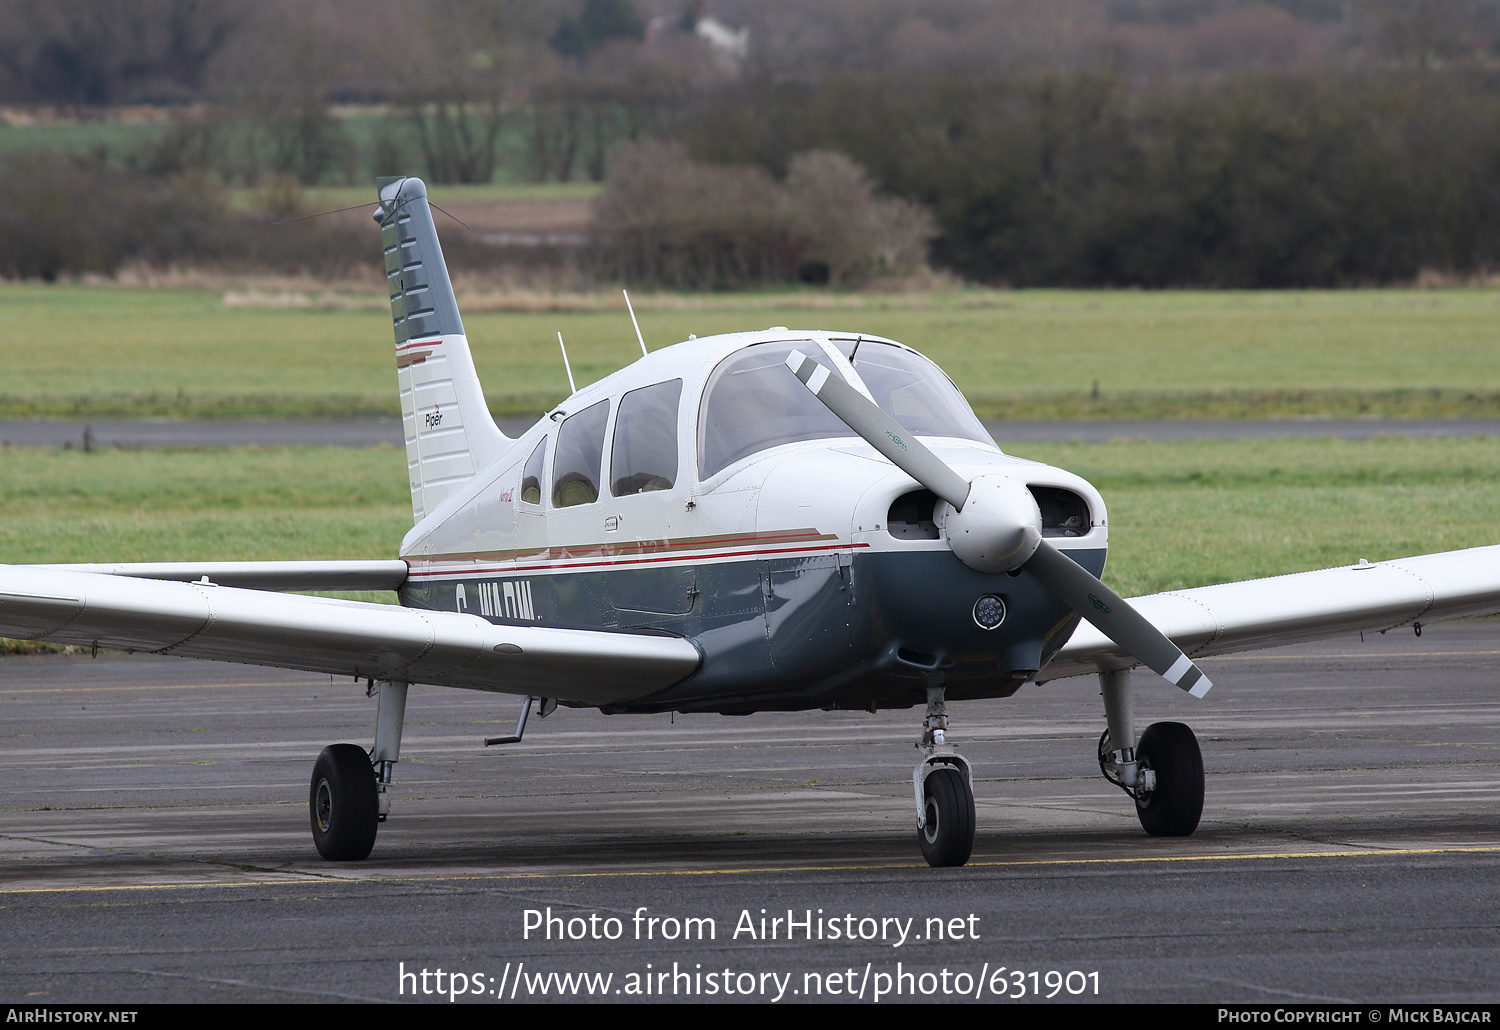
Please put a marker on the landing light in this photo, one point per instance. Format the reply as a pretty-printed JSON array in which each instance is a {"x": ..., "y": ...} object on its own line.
[{"x": 989, "y": 612}]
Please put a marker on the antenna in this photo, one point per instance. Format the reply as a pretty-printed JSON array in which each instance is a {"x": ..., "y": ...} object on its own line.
[
  {"x": 633, "y": 322},
  {"x": 571, "y": 385}
]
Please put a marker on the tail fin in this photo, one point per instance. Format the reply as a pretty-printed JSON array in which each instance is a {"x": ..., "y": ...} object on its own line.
[{"x": 450, "y": 434}]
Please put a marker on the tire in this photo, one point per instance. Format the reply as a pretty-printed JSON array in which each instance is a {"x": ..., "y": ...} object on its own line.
[
  {"x": 1175, "y": 805},
  {"x": 343, "y": 804},
  {"x": 948, "y": 836}
]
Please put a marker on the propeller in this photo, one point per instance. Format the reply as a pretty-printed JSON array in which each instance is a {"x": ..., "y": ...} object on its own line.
[{"x": 994, "y": 526}]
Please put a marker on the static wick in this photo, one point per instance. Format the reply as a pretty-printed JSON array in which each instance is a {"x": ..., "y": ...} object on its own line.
[
  {"x": 571, "y": 385},
  {"x": 631, "y": 309}
]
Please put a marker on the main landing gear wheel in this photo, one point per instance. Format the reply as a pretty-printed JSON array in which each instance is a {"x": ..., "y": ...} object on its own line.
[
  {"x": 947, "y": 833},
  {"x": 1172, "y": 808},
  {"x": 343, "y": 803}
]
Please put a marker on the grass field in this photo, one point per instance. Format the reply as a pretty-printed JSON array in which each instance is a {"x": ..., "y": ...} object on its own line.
[
  {"x": 1181, "y": 514},
  {"x": 366, "y": 133},
  {"x": 88, "y": 351},
  {"x": 328, "y": 198},
  {"x": 1190, "y": 514}
]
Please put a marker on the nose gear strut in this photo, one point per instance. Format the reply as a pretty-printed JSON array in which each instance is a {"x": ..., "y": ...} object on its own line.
[{"x": 942, "y": 781}]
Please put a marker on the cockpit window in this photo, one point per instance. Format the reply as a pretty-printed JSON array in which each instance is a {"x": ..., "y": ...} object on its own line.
[
  {"x": 912, "y": 390},
  {"x": 580, "y": 449},
  {"x": 644, "y": 454},
  {"x": 753, "y": 401}
]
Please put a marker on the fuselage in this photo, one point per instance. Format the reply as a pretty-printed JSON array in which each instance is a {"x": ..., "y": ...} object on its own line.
[{"x": 702, "y": 492}]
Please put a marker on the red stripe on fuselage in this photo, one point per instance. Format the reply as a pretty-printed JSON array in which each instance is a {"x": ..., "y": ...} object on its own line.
[
  {"x": 680, "y": 545},
  {"x": 625, "y": 563}
]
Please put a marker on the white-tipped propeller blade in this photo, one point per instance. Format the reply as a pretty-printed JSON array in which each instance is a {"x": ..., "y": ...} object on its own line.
[
  {"x": 880, "y": 431},
  {"x": 1083, "y": 592},
  {"x": 1074, "y": 585}
]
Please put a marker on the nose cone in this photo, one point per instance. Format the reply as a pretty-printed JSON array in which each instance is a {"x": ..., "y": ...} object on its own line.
[{"x": 999, "y": 528}]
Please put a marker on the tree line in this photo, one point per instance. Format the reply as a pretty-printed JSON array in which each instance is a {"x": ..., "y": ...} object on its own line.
[
  {"x": 1257, "y": 181},
  {"x": 1153, "y": 143}
]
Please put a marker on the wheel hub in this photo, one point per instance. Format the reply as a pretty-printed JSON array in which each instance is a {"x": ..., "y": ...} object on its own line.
[
  {"x": 930, "y": 823},
  {"x": 324, "y": 805}
]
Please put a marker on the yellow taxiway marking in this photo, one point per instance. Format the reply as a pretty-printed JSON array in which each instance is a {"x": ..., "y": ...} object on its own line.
[
  {"x": 1353, "y": 654},
  {"x": 302, "y": 879}
]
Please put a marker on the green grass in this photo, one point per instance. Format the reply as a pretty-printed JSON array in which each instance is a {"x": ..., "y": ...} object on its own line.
[
  {"x": 363, "y": 132},
  {"x": 1181, "y": 514},
  {"x": 115, "y": 138},
  {"x": 329, "y": 198},
  {"x": 460, "y": 193},
  {"x": 233, "y": 504},
  {"x": 81, "y": 351},
  {"x": 1190, "y": 514}
]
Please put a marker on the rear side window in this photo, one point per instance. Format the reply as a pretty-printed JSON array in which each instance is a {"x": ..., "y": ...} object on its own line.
[
  {"x": 531, "y": 478},
  {"x": 644, "y": 454},
  {"x": 580, "y": 451}
]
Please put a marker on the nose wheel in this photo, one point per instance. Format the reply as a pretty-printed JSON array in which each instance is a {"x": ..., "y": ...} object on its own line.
[
  {"x": 945, "y": 795},
  {"x": 947, "y": 833}
]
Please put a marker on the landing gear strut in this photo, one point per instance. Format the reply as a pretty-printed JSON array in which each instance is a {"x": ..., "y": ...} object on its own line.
[
  {"x": 1163, "y": 773},
  {"x": 945, "y": 796},
  {"x": 350, "y": 793}
]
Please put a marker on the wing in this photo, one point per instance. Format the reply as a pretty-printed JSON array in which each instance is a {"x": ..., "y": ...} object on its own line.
[
  {"x": 351, "y": 638},
  {"x": 260, "y": 575},
  {"x": 1307, "y": 606}
]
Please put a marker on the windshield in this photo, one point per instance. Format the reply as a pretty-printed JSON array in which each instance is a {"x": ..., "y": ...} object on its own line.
[
  {"x": 753, "y": 401},
  {"x": 912, "y": 390}
]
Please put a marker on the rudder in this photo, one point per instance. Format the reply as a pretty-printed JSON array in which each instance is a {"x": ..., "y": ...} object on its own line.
[{"x": 449, "y": 432}]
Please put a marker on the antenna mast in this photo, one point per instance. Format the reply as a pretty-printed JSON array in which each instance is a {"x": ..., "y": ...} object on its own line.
[
  {"x": 631, "y": 309},
  {"x": 571, "y": 385}
]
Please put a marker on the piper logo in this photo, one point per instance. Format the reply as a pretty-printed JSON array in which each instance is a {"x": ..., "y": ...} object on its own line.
[{"x": 1098, "y": 604}]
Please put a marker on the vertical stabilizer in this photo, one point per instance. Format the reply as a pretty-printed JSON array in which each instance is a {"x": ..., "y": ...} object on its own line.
[{"x": 449, "y": 432}]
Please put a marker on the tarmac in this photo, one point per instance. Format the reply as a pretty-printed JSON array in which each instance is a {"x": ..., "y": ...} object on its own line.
[{"x": 155, "y": 845}]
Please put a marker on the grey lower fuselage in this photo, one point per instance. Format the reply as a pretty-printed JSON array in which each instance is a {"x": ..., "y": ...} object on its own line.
[{"x": 830, "y": 628}]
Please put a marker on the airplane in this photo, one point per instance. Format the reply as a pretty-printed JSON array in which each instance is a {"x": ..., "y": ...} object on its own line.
[{"x": 760, "y": 521}]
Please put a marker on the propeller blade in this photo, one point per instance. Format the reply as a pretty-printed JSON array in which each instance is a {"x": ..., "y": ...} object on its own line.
[
  {"x": 880, "y": 431},
  {"x": 1113, "y": 616},
  {"x": 1074, "y": 585}
]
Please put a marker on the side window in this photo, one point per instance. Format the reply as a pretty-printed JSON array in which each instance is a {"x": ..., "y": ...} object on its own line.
[
  {"x": 580, "y": 451},
  {"x": 531, "y": 478},
  {"x": 644, "y": 455}
]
